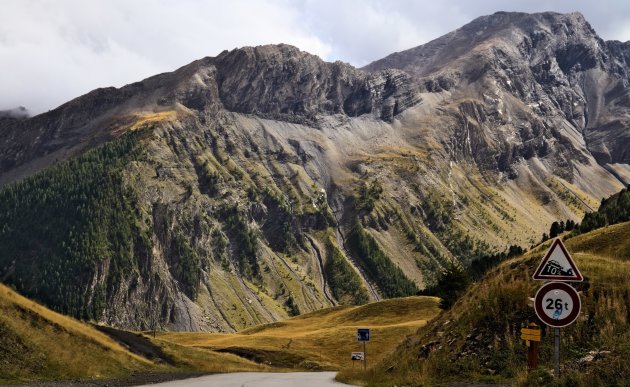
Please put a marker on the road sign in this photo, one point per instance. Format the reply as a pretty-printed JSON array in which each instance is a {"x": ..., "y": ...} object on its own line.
[
  {"x": 557, "y": 265},
  {"x": 363, "y": 334},
  {"x": 530, "y": 334},
  {"x": 358, "y": 355},
  {"x": 557, "y": 304}
]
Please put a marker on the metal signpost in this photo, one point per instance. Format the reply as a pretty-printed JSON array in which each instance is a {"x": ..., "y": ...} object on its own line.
[
  {"x": 557, "y": 304},
  {"x": 363, "y": 334}
]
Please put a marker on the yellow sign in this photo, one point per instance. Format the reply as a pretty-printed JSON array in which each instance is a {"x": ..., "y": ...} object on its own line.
[
  {"x": 530, "y": 334},
  {"x": 529, "y": 331},
  {"x": 530, "y": 338}
]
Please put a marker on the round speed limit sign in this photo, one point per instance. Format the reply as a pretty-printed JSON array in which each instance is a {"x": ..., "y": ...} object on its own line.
[{"x": 557, "y": 304}]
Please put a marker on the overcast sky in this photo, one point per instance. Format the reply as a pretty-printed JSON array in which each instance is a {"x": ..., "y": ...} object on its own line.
[{"x": 54, "y": 50}]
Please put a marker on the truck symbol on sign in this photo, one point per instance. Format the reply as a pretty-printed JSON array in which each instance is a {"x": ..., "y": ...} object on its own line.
[{"x": 554, "y": 268}]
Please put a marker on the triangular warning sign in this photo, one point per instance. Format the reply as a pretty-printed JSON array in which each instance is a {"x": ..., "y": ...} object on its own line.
[{"x": 558, "y": 265}]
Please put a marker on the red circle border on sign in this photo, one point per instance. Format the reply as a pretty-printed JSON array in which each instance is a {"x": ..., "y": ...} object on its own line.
[{"x": 538, "y": 304}]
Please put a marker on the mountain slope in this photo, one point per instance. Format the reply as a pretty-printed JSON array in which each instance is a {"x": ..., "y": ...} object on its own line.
[
  {"x": 238, "y": 180},
  {"x": 555, "y": 64},
  {"x": 40, "y": 344},
  {"x": 479, "y": 337}
]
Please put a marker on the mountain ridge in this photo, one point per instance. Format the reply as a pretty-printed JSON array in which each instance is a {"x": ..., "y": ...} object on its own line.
[{"x": 251, "y": 172}]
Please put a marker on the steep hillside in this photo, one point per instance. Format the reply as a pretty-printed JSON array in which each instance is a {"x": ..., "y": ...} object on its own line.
[
  {"x": 265, "y": 182},
  {"x": 38, "y": 344},
  {"x": 479, "y": 337}
]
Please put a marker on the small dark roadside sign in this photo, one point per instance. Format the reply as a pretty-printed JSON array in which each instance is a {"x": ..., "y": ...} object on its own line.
[{"x": 363, "y": 334}]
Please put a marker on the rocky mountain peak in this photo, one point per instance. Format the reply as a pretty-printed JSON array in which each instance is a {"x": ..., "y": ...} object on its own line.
[
  {"x": 282, "y": 82},
  {"x": 545, "y": 33}
]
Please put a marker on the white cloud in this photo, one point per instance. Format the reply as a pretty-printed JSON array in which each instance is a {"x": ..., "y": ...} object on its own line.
[{"x": 52, "y": 51}]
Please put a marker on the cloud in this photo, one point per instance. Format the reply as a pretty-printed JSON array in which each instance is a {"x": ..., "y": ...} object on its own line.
[{"x": 53, "y": 51}]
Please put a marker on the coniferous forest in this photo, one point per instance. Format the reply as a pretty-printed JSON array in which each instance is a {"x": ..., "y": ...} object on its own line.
[{"x": 59, "y": 226}]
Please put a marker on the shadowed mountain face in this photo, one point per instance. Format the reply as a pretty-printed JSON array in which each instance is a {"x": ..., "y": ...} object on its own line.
[{"x": 266, "y": 182}]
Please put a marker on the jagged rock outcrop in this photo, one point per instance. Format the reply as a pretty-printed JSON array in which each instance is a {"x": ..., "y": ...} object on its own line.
[{"x": 252, "y": 169}]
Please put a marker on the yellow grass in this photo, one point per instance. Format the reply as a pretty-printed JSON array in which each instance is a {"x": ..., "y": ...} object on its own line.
[
  {"x": 37, "y": 344},
  {"x": 135, "y": 121},
  {"x": 324, "y": 339},
  {"x": 145, "y": 119},
  {"x": 42, "y": 344}
]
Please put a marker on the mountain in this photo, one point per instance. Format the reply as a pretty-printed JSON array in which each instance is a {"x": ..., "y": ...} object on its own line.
[
  {"x": 568, "y": 78},
  {"x": 265, "y": 182}
]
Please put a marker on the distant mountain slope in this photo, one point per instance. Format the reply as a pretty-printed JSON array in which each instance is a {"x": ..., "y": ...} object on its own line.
[
  {"x": 555, "y": 64},
  {"x": 232, "y": 185}
]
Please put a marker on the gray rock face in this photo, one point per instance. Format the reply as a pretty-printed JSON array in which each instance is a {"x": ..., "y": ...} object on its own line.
[
  {"x": 275, "y": 82},
  {"x": 554, "y": 63},
  {"x": 281, "y": 82}
]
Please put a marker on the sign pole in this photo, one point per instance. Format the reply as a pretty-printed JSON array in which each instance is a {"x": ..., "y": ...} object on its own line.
[
  {"x": 531, "y": 335},
  {"x": 556, "y": 352},
  {"x": 364, "y": 357}
]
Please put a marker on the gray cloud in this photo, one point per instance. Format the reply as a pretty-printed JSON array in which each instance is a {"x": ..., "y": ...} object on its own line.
[{"x": 53, "y": 51}]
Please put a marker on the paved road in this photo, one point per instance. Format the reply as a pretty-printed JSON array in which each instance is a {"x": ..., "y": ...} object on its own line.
[{"x": 259, "y": 379}]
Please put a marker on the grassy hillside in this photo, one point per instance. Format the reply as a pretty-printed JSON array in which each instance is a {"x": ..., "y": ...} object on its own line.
[
  {"x": 323, "y": 339},
  {"x": 478, "y": 339},
  {"x": 37, "y": 344}
]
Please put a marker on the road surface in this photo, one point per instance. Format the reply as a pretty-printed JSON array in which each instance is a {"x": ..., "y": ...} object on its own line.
[{"x": 259, "y": 379}]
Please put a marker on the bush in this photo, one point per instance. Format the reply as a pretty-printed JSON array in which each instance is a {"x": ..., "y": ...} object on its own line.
[
  {"x": 452, "y": 283},
  {"x": 368, "y": 194}
]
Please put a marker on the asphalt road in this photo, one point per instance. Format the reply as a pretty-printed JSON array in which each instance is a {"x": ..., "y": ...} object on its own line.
[{"x": 259, "y": 379}]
